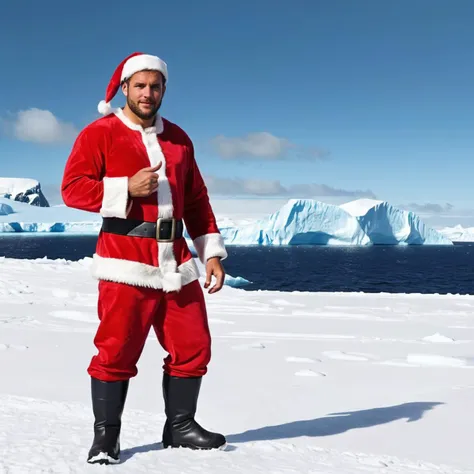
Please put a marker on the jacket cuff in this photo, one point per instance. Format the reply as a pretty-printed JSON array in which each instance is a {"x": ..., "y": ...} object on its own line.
[
  {"x": 115, "y": 201},
  {"x": 210, "y": 245}
]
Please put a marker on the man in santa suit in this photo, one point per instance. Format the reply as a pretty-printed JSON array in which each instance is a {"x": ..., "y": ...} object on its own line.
[{"x": 138, "y": 170}]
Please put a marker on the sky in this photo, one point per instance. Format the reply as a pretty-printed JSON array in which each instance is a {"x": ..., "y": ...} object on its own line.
[{"x": 331, "y": 100}]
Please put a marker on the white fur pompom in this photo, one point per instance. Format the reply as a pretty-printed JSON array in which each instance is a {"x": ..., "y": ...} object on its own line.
[{"x": 104, "y": 108}]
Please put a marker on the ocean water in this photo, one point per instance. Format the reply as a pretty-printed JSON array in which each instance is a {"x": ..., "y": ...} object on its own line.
[{"x": 393, "y": 269}]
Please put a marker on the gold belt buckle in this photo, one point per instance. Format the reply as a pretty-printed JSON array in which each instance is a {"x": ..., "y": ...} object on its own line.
[{"x": 173, "y": 229}]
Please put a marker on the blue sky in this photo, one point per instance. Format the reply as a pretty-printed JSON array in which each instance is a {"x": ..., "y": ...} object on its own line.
[{"x": 309, "y": 98}]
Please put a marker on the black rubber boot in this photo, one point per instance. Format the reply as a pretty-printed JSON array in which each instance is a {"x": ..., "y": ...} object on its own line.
[
  {"x": 181, "y": 430},
  {"x": 108, "y": 400}
]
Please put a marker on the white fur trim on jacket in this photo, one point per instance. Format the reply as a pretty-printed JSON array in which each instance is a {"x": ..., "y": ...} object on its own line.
[
  {"x": 141, "y": 274},
  {"x": 210, "y": 245},
  {"x": 115, "y": 201},
  {"x": 166, "y": 258}
]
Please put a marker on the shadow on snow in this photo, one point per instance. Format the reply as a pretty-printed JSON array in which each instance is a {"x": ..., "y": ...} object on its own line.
[
  {"x": 332, "y": 424},
  {"x": 336, "y": 423}
]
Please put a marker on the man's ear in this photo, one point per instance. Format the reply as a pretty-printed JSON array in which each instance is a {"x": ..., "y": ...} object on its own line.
[{"x": 125, "y": 89}]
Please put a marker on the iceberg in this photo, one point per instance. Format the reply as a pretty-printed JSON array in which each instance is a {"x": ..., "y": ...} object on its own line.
[
  {"x": 5, "y": 209},
  {"x": 23, "y": 190},
  {"x": 387, "y": 224},
  {"x": 458, "y": 233},
  {"x": 359, "y": 222},
  {"x": 298, "y": 222},
  {"x": 16, "y": 216}
]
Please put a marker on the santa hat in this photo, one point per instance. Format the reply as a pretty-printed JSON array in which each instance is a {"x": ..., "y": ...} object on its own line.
[{"x": 134, "y": 63}]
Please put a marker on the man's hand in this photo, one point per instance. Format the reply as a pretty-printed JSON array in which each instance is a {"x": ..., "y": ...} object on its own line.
[
  {"x": 145, "y": 182},
  {"x": 214, "y": 268}
]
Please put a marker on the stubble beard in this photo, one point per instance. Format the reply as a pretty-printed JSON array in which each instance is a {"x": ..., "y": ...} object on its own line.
[{"x": 134, "y": 107}]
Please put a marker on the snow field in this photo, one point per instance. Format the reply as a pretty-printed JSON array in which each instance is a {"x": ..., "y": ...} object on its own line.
[{"x": 299, "y": 382}]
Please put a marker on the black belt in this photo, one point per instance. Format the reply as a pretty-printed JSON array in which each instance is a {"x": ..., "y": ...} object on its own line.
[{"x": 163, "y": 230}]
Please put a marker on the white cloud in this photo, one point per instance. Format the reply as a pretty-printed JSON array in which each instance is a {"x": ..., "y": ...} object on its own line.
[
  {"x": 41, "y": 126},
  {"x": 237, "y": 186},
  {"x": 262, "y": 145}
]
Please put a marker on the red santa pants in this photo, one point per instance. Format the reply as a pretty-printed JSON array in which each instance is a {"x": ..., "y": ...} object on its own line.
[{"x": 126, "y": 314}]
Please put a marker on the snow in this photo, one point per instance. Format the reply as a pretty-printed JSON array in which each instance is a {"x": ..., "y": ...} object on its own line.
[
  {"x": 360, "y": 222},
  {"x": 15, "y": 186},
  {"x": 438, "y": 338},
  {"x": 320, "y": 383},
  {"x": 24, "y": 190},
  {"x": 359, "y": 207},
  {"x": 458, "y": 233}
]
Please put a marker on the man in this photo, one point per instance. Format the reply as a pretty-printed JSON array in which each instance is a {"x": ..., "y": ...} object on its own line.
[{"x": 139, "y": 172}]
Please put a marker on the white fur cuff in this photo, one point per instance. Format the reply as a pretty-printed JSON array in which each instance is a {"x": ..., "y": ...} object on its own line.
[
  {"x": 210, "y": 245},
  {"x": 114, "y": 202}
]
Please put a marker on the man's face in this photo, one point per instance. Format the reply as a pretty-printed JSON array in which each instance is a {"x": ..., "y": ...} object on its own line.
[{"x": 144, "y": 93}]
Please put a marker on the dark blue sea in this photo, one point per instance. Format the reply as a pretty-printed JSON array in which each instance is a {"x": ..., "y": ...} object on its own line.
[{"x": 394, "y": 269}]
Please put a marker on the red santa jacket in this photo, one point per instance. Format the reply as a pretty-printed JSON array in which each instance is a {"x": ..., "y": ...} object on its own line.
[{"x": 108, "y": 152}]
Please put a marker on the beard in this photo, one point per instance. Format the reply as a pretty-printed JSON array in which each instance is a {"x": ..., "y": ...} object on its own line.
[{"x": 135, "y": 108}]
